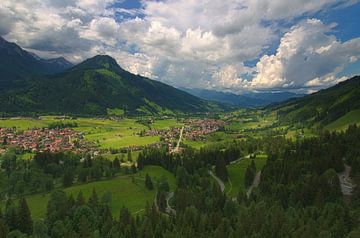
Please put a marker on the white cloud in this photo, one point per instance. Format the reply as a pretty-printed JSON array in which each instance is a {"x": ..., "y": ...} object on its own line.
[
  {"x": 192, "y": 43},
  {"x": 308, "y": 55}
]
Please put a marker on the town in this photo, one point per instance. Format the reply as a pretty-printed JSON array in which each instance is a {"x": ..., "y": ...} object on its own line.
[{"x": 40, "y": 140}]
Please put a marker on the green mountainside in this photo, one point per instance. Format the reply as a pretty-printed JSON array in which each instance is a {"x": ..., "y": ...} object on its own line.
[
  {"x": 322, "y": 107},
  {"x": 95, "y": 86},
  {"x": 17, "y": 65}
]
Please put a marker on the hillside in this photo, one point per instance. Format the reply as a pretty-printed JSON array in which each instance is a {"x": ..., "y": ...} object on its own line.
[
  {"x": 93, "y": 87},
  {"x": 17, "y": 65},
  {"x": 247, "y": 100},
  {"x": 324, "y": 106}
]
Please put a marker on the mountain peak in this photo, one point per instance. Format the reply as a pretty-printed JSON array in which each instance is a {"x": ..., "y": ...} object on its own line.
[{"x": 99, "y": 62}]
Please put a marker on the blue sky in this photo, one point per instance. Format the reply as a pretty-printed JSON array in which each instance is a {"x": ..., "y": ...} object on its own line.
[{"x": 237, "y": 46}]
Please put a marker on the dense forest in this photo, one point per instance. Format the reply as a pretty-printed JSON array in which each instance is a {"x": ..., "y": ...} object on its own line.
[{"x": 299, "y": 194}]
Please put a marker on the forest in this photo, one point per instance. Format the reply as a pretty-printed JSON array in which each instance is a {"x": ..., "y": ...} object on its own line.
[{"x": 299, "y": 194}]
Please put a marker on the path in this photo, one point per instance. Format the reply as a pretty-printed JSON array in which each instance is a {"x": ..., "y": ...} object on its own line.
[
  {"x": 346, "y": 184},
  {"x": 255, "y": 183},
  {"x": 221, "y": 183},
  {"x": 176, "y": 149},
  {"x": 169, "y": 209}
]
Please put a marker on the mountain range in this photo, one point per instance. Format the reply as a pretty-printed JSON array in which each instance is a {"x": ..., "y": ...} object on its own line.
[
  {"x": 30, "y": 84},
  {"x": 248, "y": 100},
  {"x": 17, "y": 65}
]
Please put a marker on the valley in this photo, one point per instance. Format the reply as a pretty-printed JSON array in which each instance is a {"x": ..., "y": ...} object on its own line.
[{"x": 94, "y": 150}]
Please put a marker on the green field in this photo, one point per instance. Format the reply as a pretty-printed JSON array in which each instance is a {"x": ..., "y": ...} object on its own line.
[
  {"x": 166, "y": 124},
  {"x": 106, "y": 133},
  {"x": 128, "y": 191},
  {"x": 237, "y": 174},
  {"x": 343, "y": 122}
]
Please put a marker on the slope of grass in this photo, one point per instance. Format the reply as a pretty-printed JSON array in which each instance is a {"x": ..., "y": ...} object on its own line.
[
  {"x": 237, "y": 174},
  {"x": 343, "y": 122},
  {"x": 128, "y": 191}
]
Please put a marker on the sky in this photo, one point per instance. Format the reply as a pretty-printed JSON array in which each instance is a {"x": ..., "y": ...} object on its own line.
[{"x": 227, "y": 45}]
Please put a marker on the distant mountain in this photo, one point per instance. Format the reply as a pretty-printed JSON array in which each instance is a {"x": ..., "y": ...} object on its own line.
[
  {"x": 324, "y": 106},
  {"x": 245, "y": 100},
  {"x": 96, "y": 85},
  {"x": 17, "y": 65}
]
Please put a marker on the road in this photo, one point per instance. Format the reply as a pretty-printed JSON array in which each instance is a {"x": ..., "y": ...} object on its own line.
[
  {"x": 169, "y": 209},
  {"x": 221, "y": 183},
  {"x": 255, "y": 183},
  {"x": 346, "y": 184},
  {"x": 176, "y": 149}
]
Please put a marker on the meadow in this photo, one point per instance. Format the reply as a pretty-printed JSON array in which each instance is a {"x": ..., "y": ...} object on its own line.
[
  {"x": 343, "y": 122},
  {"x": 237, "y": 174},
  {"x": 106, "y": 133},
  {"x": 126, "y": 190}
]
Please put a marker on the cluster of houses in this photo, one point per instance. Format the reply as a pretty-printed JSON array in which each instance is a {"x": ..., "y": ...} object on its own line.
[
  {"x": 196, "y": 129},
  {"x": 167, "y": 136},
  {"x": 40, "y": 140}
]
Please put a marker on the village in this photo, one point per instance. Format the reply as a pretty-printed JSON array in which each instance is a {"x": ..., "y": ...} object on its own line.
[
  {"x": 40, "y": 140},
  {"x": 68, "y": 139}
]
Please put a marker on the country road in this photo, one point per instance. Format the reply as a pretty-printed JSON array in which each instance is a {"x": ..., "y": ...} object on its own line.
[
  {"x": 169, "y": 209},
  {"x": 176, "y": 149},
  {"x": 221, "y": 183},
  {"x": 345, "y": 181},
  {"x": 255, "y": 183}
]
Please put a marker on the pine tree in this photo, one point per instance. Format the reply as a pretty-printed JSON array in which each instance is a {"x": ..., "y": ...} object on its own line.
[
  {"x": 93, "y": 200},
  {"x": 84, "y": 228},
  {"x": 129, "y": 156},
  {"x": 10, "y": 215},
  {"x": 249, "y": 176},
  {"x": 25, "y": 223},
  {"x": 116, "y": 164},
  {"x": 68, "y": 178},
  {"x": 3, "y": 228},
  {"x": 80, "y": 200},
  {"x": 220, "y": 169},
  {"x": 148, "y": 182}
]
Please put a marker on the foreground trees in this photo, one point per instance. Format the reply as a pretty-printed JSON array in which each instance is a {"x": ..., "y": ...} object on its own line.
[{"x": 298, "y": 196}]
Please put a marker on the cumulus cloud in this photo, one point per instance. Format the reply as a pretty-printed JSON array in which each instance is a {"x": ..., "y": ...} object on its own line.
[
  {"x": 191, "y": 43},
  {"x": 308, "y": 55}
]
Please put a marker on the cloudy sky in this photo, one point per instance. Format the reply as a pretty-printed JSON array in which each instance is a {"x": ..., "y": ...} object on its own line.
[{"x": 230, "y": 45}]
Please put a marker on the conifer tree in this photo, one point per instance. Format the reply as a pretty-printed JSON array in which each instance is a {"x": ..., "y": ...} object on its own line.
[
  {"x": 148, "y": 182},
  {"x": 220, "y": 169},
  {"x": 25, "y": 223}
]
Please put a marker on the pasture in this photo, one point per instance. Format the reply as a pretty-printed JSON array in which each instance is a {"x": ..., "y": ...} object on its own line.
[
  {"x": 343, "y": 122},
  {"x": 237, "y": 174},
  {"x": 127, "y": 190}
]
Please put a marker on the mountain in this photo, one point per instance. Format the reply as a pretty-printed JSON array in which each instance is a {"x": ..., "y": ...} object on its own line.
[
  {"x": 17, "y": 65},
  {"x": 272, "y": 97},
  {"x": 246, "y": 100},
  {"x": 93, "y": 87},
  {"x": 324, "y": 106}
]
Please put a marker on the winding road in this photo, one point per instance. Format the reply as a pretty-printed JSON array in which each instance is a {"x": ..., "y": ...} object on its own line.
[
  {"x": 255, "y": 183},
  {"x": 169, "y": 209},
  {"x": 221, "y": 183},
  {"x": 346, "y": 184}
]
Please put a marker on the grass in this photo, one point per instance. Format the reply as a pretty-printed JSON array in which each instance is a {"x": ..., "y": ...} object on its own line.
[
  {"x": 237, "y": 174},
  {"x": 134, "y": 155},
  {"x": 107, "y": 133},
  {"x": 128, "y": 191},
  {"x": 343, "y": 122},
  {"x": 166, "y": 124}
]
